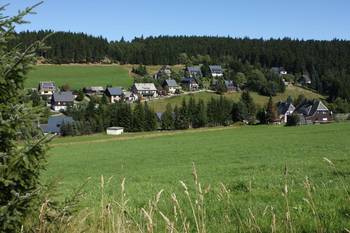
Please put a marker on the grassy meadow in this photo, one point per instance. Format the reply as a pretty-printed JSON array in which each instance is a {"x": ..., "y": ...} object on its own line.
[
  {"x": 159, "y": 105},
  {"x": 262, "y": 178},
  {"x": 79, "y": 76}
]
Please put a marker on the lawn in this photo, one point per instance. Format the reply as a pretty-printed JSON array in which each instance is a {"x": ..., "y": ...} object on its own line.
[
  {"x": 249, "y": 160},
  {"x": 159, "y": 105},
  {"x": 79, "y": 76}
]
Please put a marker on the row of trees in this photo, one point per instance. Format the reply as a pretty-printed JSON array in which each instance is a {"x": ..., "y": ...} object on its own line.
[{"x": 97, "y": 115}]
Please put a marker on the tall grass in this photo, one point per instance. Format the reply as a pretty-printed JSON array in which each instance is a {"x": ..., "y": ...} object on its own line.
[{"x": 201, "y": 208}]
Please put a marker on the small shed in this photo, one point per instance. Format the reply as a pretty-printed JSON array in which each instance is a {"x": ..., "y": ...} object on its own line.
[{"x": 115, "y": 130}]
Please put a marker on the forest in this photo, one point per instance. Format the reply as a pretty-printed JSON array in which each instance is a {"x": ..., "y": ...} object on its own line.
[{"x": 326, "y": 62}]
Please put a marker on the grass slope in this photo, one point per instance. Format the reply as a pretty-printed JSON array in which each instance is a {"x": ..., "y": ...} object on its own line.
[
  {"x": 239, "y": 157},
  {"x": 78, "y": 76},
  {"x": 293, "y": 91}
]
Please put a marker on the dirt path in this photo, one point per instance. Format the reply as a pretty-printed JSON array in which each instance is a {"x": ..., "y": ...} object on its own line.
[{"x": 144, "y": 136}]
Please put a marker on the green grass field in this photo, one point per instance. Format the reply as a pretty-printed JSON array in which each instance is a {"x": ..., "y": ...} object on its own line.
[
  {"x": 79, "y": 76},
  {"x": 249, "y": 160},
  {"x": 293, "y": 91}
]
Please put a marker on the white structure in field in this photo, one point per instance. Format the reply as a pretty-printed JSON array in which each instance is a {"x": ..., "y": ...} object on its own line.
[{"x": 115, "y": 130}]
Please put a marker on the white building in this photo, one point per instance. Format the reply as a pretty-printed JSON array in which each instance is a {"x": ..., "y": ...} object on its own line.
[
  {"x": 146, "y": 90},
  {"x": 115, "y": 130}
]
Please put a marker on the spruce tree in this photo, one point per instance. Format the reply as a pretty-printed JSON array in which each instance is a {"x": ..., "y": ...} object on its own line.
[
  {"x": 200, "y": 116},
  {"x": 167, "y": 120},
  {"x": 150, "y": 118},
  {"x": 271, "y": 112},
  {"x": 20, "y": 162},
  {"x": 138, "y": 118},
  {"x": 249, "y": 106}
]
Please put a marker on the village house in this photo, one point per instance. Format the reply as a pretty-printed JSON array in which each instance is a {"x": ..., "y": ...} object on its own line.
[
  {"x": 194, "y": 72},
  {"x": 216, "y": 71},
  {"x": 230, "y": 86},
  {"x": 284, "y": 110},
  {"x": 46, "y": 89},
  {"x": 164, "y": 72},
  {"x": 114, "y": 94},
  {"x": 145, "y": 90},
  {"x": 279, "y": 70},
  {"x": 313, "y": 112},
  {"x": 170, "y": 85},
  {"x": 61, "y": 100},
  {"x": 54, "y": 124},
  {"x": 130, "y": 97},
  {"x": 93, "y": 90},
  {"x": 304, "y": 80},
  {"x": 189, "y": 84}
]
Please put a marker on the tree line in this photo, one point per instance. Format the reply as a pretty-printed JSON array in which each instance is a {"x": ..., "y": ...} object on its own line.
[
  {"x": 97, "y": 115},
  {"x": 326, "y": 62}
]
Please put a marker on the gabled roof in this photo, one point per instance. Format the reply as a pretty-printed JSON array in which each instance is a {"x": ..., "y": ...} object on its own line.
[
  {"x": 216, "y": 69},
  {"x": 47, "y": 85},
  {"x": 188, "y": 80},
  {"x": 308, "y": 108},
  {"x": 194, "y": 69},
  {"x": 170, "y": 83},
  {"x": 284, "y": 107},
  {"x": 114, "y": 91},
  {"x": 64, "y": 96},
  {"x": 145, "y": 86},
  {"x": 278, "y": 70},
  {"x": 55, "y": 122}
]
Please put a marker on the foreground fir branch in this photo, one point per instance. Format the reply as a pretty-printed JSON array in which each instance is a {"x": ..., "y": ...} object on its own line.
[{"x": 22, "y": 147}]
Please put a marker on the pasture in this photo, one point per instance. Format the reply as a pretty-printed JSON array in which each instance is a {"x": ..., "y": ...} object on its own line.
[
  {"x": 253, "y": 162},
  {"x": 79, "y": 76},
  {"x": 159, "y": 105}
]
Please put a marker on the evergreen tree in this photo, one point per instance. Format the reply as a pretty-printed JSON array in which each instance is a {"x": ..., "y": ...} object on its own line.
[
  {"x": 138, "y": 116},
  {"x": 248, "y": 108},
  {"x": 271, "y": 112},
  {"x": 181, "y": 119},
  {"x": 200, "y": 115},
  {"x": 167, "y": 121},
  {"x": 20, "y": 162},
  {"x": 150, "y": 118}
]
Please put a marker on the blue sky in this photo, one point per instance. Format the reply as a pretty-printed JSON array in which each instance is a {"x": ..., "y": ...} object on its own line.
[{"x": 307, "y": 19}]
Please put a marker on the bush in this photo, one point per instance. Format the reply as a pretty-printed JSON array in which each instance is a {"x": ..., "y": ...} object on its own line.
[{"x": 293, "y": 120}]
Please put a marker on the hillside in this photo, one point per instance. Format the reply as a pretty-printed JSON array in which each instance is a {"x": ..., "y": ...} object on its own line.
[
  {"x": 79, "y": 76},
  {"x": 159, "y": 105},
  {"x": 250, "y": 161}
]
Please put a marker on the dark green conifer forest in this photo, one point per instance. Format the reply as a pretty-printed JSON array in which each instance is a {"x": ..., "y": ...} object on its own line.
[{"x": 326, "y": 62}]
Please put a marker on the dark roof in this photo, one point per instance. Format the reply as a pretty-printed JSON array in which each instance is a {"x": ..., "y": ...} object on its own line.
[
  {"x": 188, "y": 80},
  {"x": 283, "y": 107},
  {"x": 277, "y": 70},
  {"x": 308, "y": 108},
  {"x": 114, "y": 91},
  {"x": 306, "y": 78},
  {"x": 170, "y": 83},
  {"x": 194, "y": 69},
  {"x": 55, "y": 122},
  {"x": 47, "y": 85},
  {"x": 64, "y": 96},
  {"x": 216, "y": 69}
]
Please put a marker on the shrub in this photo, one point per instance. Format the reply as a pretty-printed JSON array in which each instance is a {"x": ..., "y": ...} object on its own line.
[{"x": 293, "y": 120}]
